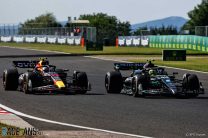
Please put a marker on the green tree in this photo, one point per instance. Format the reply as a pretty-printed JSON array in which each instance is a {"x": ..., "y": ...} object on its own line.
[
  {"x": 108, "y": 27},
  {"x": 42, "y": 21},
  {"x": 198, "y": 17},
  {"x": 123, "y": 28}
]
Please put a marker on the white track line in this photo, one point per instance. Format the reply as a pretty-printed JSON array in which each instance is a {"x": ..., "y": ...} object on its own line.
[
  {"x": 132, "y": 62},
  {"x": 66, "y": 124},
  {"x": 36, "y": 50}
]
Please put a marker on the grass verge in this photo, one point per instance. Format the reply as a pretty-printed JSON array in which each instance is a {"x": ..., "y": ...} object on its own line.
[
  {"x": 140, "y": 54},
  {"x": 199, "y": 64},
  {"x": 106, "y": 51}
]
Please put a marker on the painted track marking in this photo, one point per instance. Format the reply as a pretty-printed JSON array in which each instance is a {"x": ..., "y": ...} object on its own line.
[
  {"x": 4, "y": 112},
  {"x": 66, "y": 124}
]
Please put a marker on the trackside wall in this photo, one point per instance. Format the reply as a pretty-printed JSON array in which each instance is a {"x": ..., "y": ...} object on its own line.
[{"x": 191, "y": 42}]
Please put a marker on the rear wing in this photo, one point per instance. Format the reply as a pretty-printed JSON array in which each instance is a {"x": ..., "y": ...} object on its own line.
[
  {"x": 28, "y": 64},
  {"x": 128, "y": 66}
]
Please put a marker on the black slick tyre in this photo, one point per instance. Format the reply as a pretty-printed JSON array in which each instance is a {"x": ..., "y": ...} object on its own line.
[
  {"x": 191, "y": 83},
  {"x": 81, "y": 82},
  {"x": 10, "y": 79},
  {"x": 113, "y": 82}
]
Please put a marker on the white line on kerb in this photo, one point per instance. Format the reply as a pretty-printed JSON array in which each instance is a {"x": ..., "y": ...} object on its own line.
[
  {"x": 66, "y": 124},
  {"x": 132, "y": 62}
]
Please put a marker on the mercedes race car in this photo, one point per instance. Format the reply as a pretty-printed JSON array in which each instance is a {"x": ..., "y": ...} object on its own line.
[
  {"x": 147, "y": 79},
  {"x": 44, "y": 78}
]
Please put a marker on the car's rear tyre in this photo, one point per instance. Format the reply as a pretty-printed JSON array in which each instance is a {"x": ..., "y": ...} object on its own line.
[
  {"x": 81, "y": 81},
  {"x": 10, "y": 79},
  {"x": 113, "y": 82},
  {"x": 193, "y": 82}
]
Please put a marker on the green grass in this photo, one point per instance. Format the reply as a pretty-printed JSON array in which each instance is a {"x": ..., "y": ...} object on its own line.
[
  {"x": 200, "y": 64},
  {"x": 141, "y": 53},
  {"x": 107, "y": 50}
]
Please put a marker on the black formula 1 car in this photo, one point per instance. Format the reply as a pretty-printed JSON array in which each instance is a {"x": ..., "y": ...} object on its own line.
[
  {"x": 46, "y": 79},
  {"x": 148, "y": 79}
]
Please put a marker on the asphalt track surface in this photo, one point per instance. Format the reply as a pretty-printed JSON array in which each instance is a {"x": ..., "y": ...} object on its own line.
[{"x": 152, "y": 116}]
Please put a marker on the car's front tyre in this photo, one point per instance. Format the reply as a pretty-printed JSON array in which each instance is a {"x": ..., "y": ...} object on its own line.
[
  {"x": 81, "y": 81},
  {"x": 191, "y": 83}
]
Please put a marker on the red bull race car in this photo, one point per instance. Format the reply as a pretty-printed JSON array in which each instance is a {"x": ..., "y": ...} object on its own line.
[
  {"x": 147, "y": 79},
  {"x": 43, "y": 77}
]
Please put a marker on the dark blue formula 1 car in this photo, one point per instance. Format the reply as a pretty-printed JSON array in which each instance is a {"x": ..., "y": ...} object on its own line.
[{"x": 147, "y": 79}]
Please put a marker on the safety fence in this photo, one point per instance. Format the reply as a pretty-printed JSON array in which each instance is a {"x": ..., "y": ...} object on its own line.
[
  {"x": 133, "y": 41},
  {"x": 179, "y": 42},
  {"x": 70, "y": 40}
]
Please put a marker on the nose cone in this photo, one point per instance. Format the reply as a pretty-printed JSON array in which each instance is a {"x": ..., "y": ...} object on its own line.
[{"x": 60, "y": 84}]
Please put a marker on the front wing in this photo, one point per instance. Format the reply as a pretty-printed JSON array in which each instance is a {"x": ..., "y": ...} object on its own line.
[
  {"x": 66, "y": 89},
  {"x": 164, "y": 91}
]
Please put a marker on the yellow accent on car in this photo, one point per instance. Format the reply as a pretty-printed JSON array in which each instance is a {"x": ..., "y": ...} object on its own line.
[{"x": 60, "y": 84}]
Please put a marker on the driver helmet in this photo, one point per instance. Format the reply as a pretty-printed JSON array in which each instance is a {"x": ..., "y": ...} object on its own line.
[
  {"x": 45, "y": 69},
  {"x": 152, "y": 72},
  {"x": 149, "y": 64}
]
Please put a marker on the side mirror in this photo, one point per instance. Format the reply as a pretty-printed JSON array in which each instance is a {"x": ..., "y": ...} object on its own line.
[{"x": 116, "y": 68}]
